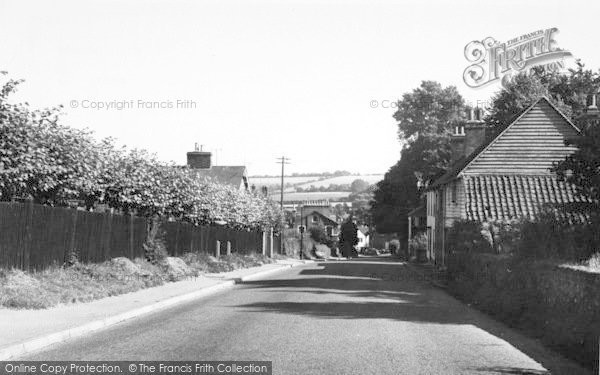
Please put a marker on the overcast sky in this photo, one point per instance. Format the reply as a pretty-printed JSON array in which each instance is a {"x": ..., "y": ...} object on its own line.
[{"x": 268, "y": 78}]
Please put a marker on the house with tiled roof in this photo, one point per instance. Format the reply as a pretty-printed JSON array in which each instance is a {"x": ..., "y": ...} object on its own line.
[
  {"x": 200, "y": 162},
  {"x": 317, "y": 214},
  {"x": 504, "y": 175}
]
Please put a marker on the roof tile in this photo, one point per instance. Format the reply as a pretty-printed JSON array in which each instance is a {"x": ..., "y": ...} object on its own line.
[{"x": 499, "y": 197}]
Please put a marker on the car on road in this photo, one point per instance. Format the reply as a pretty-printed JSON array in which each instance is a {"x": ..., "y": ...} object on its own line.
[{"x": 370, "y": 251}]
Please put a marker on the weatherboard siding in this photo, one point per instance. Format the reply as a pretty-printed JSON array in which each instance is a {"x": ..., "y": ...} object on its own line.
[
  {"x": 530, "y": 146},
  {"x": 455, "y": 208}
]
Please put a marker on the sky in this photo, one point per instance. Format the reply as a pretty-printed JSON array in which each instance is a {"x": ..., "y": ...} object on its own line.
[{"x": 252, "y": 81}]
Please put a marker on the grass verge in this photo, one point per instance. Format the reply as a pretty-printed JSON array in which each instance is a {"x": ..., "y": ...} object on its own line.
[{"x": 87, "y": 282}]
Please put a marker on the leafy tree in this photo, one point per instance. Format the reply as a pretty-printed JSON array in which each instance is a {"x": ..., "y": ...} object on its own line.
[
  {"x": 43, "y": 160},
  {"x": 567, "y": 91},
  {"x": 518, "y": 93},
  {"x": 425, "y": 117},
  {"x": 582, "y": 169},
  {"x": 53, "y": 164},
  {"x": 428, "y": 109},
  {"x": 341, "y": 211},
  {"x": 359, "y": 185}
]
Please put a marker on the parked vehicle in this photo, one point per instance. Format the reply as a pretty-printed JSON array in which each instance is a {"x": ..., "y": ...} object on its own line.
[{"x": 371, "y": 251}]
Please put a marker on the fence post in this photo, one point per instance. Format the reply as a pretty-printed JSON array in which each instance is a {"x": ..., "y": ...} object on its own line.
[
  {"x": 218, "y": 249},
  {"x": 29, "y": 235},
  {"x": 131, "y": 246},
  {"x": 228, "y": 248},
  {"x": 270, "y": 242},
  {"x": 71, "y": 248},
  {"x": 264, "y": 243}
]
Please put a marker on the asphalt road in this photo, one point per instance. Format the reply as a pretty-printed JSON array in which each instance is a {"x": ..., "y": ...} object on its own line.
[{"x": 365, "y": 316}]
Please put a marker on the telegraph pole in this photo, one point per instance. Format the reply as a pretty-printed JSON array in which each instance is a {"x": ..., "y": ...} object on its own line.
[{"x": 283, "y": 160}]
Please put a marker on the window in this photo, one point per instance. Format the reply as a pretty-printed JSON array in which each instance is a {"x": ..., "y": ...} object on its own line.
[
  {"x": 315, "y": 219},
  {"x": 454, "y": 192}
]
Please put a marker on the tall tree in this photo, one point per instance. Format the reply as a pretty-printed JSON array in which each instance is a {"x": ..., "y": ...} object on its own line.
[
  {"x": 358, "y": 185},
  {"x": 568, "y": 91},
  {"x": 425, "y": 117}
]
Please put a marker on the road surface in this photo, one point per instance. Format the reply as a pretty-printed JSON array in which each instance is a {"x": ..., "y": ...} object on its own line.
[{"x": 364, "y": 316}]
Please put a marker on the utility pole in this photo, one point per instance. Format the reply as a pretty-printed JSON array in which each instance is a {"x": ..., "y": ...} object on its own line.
[{"x": 283, "y": 160}]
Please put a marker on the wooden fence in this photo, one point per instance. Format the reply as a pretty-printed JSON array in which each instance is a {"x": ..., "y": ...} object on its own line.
[{"x": 35, "y": 237}]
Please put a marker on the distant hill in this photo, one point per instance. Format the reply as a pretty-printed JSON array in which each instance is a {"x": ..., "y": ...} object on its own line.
[
  {"x": 342, "y": 180},
  {"x": 315, "y": 196},
  {"x": 305, "y": 182}
]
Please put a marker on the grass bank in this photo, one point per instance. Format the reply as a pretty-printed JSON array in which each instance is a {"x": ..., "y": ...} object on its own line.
[{"x": 86, "y": 282}]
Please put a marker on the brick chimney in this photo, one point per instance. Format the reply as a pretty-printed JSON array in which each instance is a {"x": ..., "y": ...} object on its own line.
[
  {"x": 198, "y": 159},
  {"x": 475, "y": 131},
  {"x": 457, "y": 141},
  {"x": 468, "y": 135}
]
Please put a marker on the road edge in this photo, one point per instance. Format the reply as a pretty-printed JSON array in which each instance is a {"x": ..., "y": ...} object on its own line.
[{"x": 71, "y": 333}]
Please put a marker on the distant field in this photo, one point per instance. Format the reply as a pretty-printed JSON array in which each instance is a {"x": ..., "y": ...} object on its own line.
[
  {"x": 332, "y": 196},
  {"x": 306, "y": 182},
  {"x": 343, "y": 180},
  {"x": 276, "y": 181}
]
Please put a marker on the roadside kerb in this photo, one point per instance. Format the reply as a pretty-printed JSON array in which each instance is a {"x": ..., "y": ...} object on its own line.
[{"x": 58, "y": 337}]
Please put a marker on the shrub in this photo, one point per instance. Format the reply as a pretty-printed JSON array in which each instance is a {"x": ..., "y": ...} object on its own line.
[
  {"x": 470, "y": 236},
  {"x": 552, "y": 237},
  {"x": 155, "y": 250},
  {"x": 72, "y": 259},
  {"x": 546, "y": 237},
  {"x": 319, "y": 235}
]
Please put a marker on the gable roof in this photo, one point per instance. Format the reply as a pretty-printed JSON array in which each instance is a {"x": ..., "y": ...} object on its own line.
[
  {"x": 227, "y": 175},
  {"x": 463, "y": 163},
  {"x": 325, "y": 218},
  {"x": 363, "y": 229}
]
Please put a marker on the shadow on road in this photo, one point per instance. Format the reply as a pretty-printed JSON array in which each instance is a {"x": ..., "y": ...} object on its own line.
[
  {"x": 511, "y": 371},
  {"x": 384, "y": 288}
]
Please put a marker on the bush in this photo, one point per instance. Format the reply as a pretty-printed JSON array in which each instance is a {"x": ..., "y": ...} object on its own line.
[
  {"x": 546, "y": 237},
  {"x": 319, "y": 235},
  {"x": 155, "y": 250},
  {"x": 550, "y": 237},
  {"x": 469, "y": 236}
]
